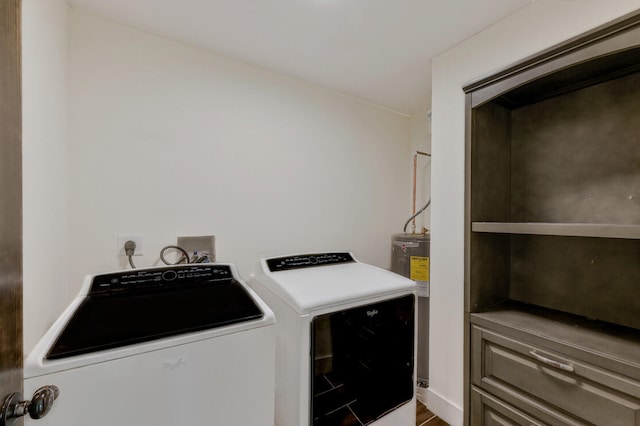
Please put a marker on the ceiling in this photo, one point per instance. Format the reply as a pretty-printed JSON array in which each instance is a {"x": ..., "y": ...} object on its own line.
[{"x": 378, "y": 51}]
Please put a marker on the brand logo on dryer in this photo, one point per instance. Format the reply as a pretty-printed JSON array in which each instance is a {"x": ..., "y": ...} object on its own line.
[{"x": 372, "y": 313}]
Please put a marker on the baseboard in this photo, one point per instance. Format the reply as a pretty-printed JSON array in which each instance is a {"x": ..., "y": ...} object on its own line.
[
  {"x": 421, "y": 394},
  {"x": 443, "y": 408}
]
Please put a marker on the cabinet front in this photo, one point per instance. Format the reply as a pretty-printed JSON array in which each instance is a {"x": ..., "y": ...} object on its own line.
[{"x": 551, "y": 386}]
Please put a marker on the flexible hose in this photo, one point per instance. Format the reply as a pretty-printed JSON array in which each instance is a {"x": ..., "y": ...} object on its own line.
[
  {"x": 180, "y": 249},
  {"x": 416, "y": 215}
]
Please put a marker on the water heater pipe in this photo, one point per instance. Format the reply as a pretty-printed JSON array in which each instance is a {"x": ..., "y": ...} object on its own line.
[{"x": 415, "y": 167}]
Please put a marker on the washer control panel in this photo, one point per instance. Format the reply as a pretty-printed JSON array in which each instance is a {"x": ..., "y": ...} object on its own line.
[
  {"x": 307, "y": 261},
  {"x": 159, "y": 277}
]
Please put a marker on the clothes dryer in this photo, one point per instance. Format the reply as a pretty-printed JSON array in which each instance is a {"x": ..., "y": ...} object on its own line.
[{"x": 346, "y": 343}]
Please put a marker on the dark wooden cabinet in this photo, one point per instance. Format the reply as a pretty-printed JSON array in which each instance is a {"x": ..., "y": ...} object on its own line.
[
  {"x": 490, "y": 411},
  {"x": 552, "y": 254},
  {"x": 557, "y": 368}
]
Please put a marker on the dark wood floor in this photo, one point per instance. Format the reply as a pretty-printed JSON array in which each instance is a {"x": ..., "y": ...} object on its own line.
[{"x": 424, "y": 417}]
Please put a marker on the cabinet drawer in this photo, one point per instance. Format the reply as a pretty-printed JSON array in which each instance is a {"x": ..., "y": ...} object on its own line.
[
  {"x": 542, "y": 382},
  {"x": 489, "y": 411}
]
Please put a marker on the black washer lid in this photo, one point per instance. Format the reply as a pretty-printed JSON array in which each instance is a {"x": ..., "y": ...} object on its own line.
[{"x": 137, "y": 306}]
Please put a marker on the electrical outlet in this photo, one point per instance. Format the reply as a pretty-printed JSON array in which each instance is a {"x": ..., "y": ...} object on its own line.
[
  {"x": 123, "y": 238},
  {"x": 201, "y": 245}
]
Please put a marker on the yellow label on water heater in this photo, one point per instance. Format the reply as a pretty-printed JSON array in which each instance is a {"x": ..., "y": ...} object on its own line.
[{"x": 419, "y": 268}]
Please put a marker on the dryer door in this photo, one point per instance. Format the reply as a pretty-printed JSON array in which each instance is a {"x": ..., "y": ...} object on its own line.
[{"x": 362, "y": 362}]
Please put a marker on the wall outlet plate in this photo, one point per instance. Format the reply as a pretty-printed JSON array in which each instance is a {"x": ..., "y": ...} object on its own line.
[
  {"x": 200, "y": 245},
  {"x": 123, "y": 238}
]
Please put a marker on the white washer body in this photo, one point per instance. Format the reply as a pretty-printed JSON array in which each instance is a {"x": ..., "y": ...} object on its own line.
[
  {"x": 208, "y": 377},
  {"x": 297, "y": 296}
]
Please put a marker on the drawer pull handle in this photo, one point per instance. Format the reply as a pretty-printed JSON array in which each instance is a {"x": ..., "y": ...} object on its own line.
[{"x": 556, "y": 364}]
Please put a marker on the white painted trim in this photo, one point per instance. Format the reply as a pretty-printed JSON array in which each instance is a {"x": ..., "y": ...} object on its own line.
[
  {"x": 421, "y": 394},
  {"x": 443, "y": 408}
]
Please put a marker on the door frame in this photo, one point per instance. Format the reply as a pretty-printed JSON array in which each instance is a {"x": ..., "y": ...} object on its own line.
[{"x": 11, "y": 352}]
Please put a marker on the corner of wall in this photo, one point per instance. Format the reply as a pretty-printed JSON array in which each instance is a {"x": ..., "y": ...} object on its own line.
[{"x": 421, "y": 141}]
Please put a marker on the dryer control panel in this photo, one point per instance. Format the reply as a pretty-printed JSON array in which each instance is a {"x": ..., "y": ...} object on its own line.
[{"x": 308, "y": 261}]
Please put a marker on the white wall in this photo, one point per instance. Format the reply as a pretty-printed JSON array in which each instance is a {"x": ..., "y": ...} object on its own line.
[
  {"x": 169, "y": 140},
  {"x": 45, "y": 163},
  {"x": 539, "y": 26},
  {"x": 125, "y": 132}
]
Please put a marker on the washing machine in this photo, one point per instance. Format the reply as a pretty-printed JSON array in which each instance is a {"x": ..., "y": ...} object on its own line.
[
  {"x": 162, "y": 346},
  {"x": 346, "y": 341}
]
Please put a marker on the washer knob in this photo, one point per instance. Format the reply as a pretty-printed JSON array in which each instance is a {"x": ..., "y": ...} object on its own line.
[{"x": 169, "y": 275}]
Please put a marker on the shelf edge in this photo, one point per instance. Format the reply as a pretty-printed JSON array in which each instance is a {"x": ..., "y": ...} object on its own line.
[{"x": 596, "y": 230}]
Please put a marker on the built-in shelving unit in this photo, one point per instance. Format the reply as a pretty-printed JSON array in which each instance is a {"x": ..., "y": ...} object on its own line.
[{"x": 552, "y": 254}]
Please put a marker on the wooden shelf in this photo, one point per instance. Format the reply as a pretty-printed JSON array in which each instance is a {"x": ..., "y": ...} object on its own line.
[{"x": 596, "y": 230}]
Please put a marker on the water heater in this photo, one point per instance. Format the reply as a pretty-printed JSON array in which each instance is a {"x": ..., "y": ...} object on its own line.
[{"x": 410, "y": 257}]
